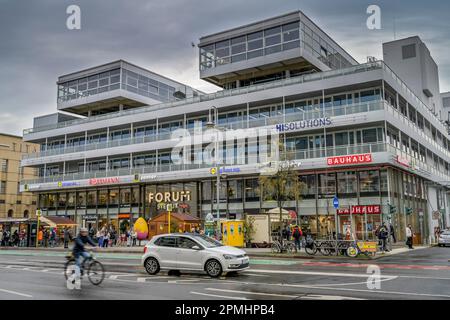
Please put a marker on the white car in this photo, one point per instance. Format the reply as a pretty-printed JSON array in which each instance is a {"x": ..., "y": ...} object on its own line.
[
  {"x": 444, "y": 239},
  {"x": 193, "y": 252}
]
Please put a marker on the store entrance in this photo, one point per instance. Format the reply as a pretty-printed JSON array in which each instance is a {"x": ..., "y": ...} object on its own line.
[{"x": 363, "y": 226}]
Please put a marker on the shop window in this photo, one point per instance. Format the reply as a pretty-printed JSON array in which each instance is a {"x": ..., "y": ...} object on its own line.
[
  {"x": 346, "y": 182},
  {"x": 251, "y": 190},
  {"x": 327, "y": 184},
  {"x": 308, "y": 186},
  {"x": 369, "y": 183}
]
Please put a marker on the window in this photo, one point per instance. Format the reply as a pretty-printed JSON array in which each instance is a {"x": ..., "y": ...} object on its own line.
[
  {"x": 4, "y": 164},
  {"x": 346, "y": 183},
  {"x": 10, "y": 213},
  {"x": 369, "y": 182},
  {"x": 327, "y": 184},
  {"x": 409, "y": 51},
  {"x": 186, "y": 243},
  {"x": 3, "y": 187},
  {"x": 251, "y": 190},
  {"x": 309, "y": 186},
  {"x": 166, "y": 242}
]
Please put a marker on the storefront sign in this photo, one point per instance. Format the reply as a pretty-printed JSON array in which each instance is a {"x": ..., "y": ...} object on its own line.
[
  {"x": 351, "y": 159},
  {"x": 361, "y": 209},
  {"x": 66, "y": 184},
  {"x": 174, "y": 196},
  {"x": 213, "y": 171},
  {"x": 297, "y": 125},
  {"x": 403, "y": 161},
  {"x": 367, "y": 246},
  {"x": 124, "y": 216},
  {"x": 145, "y": 177},
  {"x": 99, "y": 181}
]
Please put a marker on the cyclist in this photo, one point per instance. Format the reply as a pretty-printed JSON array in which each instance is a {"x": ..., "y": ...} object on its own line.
[{"x": 79, "y": 251}]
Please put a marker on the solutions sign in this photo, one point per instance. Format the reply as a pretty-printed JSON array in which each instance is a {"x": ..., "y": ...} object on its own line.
[
  {"x": 351, "y": 159},
  {"x": 297, "y": 125}
]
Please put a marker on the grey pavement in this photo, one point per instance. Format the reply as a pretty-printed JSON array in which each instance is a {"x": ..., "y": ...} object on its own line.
[{"x": 417, "y": 274}]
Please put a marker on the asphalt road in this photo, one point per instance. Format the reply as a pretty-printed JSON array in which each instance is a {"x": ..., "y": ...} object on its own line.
[{"x": 419, "y": 274}]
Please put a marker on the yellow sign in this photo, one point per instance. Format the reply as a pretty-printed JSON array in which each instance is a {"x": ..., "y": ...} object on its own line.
[
  {"x": 60, "y": 184},
  {"x": 367, "y": 246},
  {"x": 213, "y": 171}
]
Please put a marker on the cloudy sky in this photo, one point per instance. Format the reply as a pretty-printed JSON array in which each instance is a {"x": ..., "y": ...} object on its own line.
[{"x": 36, "y": 47}]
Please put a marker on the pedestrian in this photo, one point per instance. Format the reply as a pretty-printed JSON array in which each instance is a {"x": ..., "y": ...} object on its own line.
[
  {"x": 66, "y": 237},
  {"x": 112, "y": 237},
  {"x": 100, "y": 238},
  {"x": 40, "y": 237},
  {"x": 437, "y": 232},
  {"x": 382, "y": 236},
  {"x": 106, "y": 239},
  {"x": 46, "y": 236},
  {"x": 409, "y": 236},
  {"x": 297, "y": 234},
  {"x": 1, "y": 237},
  {"x": 22, "y": 238},
  {"x": 6, "y": 238},
  {"x": 133, "y": 238},
  {"x": 392, "y": 232},
  {"x": 52, "y": 237}
]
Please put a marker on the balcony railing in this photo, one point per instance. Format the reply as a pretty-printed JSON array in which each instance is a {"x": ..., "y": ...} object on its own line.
[
  {"x": 332, "y": 111},
  {"x": 416, "y": 164},
  {"x": 217, "y": 95}
]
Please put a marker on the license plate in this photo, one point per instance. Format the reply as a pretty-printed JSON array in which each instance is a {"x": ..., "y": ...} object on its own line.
[{"x": 244, "y": 261}]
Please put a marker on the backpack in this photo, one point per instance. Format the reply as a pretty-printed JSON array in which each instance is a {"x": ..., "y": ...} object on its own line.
[{"x": 297, "y": 233}]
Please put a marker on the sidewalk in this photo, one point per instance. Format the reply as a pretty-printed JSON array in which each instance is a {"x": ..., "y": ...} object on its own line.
[{"x": 252, "y": 252}]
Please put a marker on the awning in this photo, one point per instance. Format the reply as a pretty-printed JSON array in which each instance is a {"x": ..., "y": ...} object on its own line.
[{"x": 57, "y": 221}]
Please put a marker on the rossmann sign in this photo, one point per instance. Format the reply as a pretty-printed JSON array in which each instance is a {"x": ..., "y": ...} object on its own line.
[
  {"x": 350, "y": 159},
  {"x": 298, "y": 125}
]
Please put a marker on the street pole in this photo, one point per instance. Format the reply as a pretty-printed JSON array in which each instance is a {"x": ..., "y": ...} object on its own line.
[
  {"x": 169, "y": 210},
  {"x": 38, "y": 214}
]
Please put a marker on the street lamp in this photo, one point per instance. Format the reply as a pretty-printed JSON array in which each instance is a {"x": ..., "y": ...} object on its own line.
[{"x": 213, "y": 125}]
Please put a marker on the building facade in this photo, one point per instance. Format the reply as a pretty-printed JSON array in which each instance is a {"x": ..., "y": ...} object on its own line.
[
  {"x": 13, "y": 203},
  {"x": 358, "y": 132}
]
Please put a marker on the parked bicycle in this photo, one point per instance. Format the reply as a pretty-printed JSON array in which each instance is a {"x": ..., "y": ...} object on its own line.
[
  {"x": 285, "y": 246},
  {"x": 94, "y": 269}
]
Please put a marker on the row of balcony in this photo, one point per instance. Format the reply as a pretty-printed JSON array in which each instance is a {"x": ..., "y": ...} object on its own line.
[{"x": 416, "y": 165}]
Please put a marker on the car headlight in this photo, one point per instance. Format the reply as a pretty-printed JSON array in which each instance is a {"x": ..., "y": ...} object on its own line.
[{"x": 229, "y": 256}]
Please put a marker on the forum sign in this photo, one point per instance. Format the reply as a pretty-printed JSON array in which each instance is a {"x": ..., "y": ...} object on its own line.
[{"x": 174, "y": 196}]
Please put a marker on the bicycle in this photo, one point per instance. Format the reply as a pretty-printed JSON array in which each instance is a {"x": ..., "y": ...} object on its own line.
[
  {"x": 286, "y": 246},
  {"x": 94, "y": 269}
]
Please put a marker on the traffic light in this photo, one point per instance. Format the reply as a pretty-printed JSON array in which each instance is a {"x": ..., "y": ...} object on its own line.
[
  {"x": 392, "y": 209},
  {"x": 408, "y": 211}
]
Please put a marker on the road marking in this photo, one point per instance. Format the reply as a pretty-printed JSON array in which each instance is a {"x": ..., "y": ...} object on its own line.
[
  {"x": 380, "y": 265},
  {"x": 16, "y": 293},
  {"x": 141, "y": 279},
  {"x": 218, "y": 296},
  {"x": 253, "y": 293},
  {"x": 313, "y": 273},
  {"x": 328, "y": 297}
]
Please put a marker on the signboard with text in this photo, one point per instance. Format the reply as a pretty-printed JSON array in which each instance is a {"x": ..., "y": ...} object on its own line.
[
  {"x": 361, "y": 209},
  {"x": 350, "y": 159}
]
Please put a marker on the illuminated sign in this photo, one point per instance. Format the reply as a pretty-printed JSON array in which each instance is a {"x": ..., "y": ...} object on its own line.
[
  {"x": 174, "y": 196},
  {"x": 351, "y": 159},
  {"x": 297, "y": 125},
  {"x": 361, "y": 209},
  {"x": 98, "y": 181}
]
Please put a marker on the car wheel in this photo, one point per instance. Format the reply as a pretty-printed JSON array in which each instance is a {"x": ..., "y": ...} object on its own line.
[
  {"x": 151, "y": 265},
  {"x": 213, "y": 268}
]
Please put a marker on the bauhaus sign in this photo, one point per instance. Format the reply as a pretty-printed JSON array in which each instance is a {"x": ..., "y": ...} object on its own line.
[
  {"x": 297, "y": 125},
  {"x": 361, "y": 209},
  {"x": 350, "y": 159}
]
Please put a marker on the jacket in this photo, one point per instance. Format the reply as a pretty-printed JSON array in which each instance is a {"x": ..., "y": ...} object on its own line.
[
  {"x": 80, "y": 242},
  {"x": 409, "y": 232}
]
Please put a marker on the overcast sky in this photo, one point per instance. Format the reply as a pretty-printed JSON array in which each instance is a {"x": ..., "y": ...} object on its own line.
[{"x": 36, "y": 47}]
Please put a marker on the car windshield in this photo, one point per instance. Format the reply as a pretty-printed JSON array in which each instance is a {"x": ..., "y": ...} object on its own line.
[{"x": 208, "y": 242}]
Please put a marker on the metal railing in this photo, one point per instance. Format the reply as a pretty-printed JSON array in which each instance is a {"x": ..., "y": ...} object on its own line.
[
  {"x": 217, "y": 95},
  {"x": 332, "y": 111}
]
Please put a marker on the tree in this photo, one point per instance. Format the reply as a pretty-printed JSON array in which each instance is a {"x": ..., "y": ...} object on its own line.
[{"x": 281, "y": 184}]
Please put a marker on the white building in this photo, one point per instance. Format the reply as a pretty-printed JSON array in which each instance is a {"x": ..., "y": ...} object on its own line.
[{"x": 283, "y": 73}]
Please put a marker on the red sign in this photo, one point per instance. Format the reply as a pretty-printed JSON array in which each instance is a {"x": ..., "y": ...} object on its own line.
[
  {"x": 97, "y": 181},
  {"x": 369, "y": 209},
  {"x": 351, "y": 159},
  {"x": 403, "y": 161}
]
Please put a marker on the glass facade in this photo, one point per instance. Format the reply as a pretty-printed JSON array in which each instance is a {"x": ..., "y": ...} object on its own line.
[{"x": 269, "y": 41}]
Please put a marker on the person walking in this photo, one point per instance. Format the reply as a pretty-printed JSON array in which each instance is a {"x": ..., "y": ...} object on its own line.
[
  {"x": 106, "y": 239},
  {"x": 382, "y": 236},
  {"x": 40, "y": 237},
  {"x": 100, "y": 236},
  {"x": 52, "y": 238},
  {"x": 392, "y": 232},
  {"x": 46, "y": 236},
  {"x": 22, "y": 238},
  {"x": 1, "y": 237},
  {"x": 297, "y": 234},
  {"x": 66, "y": 237},
  {"x": 409, "y": 236}
]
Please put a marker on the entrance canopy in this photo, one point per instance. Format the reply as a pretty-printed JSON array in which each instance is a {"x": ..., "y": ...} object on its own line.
[{"x": 57, "y": 222}]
